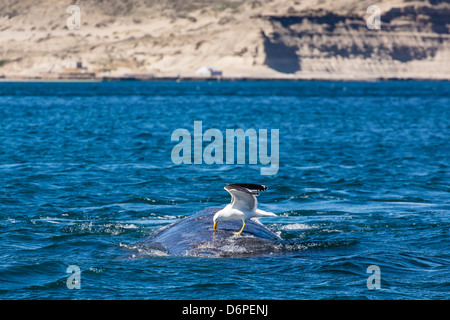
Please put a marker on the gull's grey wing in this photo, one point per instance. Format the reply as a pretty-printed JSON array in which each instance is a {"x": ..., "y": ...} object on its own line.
[{"x": 242, "y": 198}]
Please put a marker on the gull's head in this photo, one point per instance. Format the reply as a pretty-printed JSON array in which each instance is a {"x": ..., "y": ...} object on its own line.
[{"x": 217, "y": 217}]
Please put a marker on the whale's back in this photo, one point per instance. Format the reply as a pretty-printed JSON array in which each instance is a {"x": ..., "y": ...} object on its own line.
[{"x": 194, "y": 236}]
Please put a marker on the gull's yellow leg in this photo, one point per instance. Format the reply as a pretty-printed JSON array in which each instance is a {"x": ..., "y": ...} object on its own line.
[{"x": 240, "y": 231}]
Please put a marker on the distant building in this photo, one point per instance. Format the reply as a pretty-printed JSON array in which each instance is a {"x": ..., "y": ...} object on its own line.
[
  {"x": 208, "y": 72},
  {"x": 75, "y": 70},
  {"x": 75, "y": 67}
]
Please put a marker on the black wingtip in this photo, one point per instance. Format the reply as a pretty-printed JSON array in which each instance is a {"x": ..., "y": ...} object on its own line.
[{"x": 249, "y": 186}]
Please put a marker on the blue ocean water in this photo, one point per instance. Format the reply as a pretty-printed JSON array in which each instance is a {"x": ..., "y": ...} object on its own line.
[{"x": 86, "y": 172}]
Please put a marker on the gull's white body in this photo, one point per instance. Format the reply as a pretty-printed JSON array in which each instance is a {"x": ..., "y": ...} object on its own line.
[
  {"x": 243, "y": 204},
  {"x": 230, "y": 213}
]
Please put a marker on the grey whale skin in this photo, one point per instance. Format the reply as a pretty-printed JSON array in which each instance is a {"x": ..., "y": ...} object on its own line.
[{"x": 194, "y": 236}]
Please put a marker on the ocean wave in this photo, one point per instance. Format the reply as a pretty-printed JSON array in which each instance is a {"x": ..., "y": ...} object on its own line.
[{"x": 113, "y": 229}]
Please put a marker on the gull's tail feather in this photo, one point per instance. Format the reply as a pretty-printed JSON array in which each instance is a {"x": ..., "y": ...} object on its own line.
[{"x": 262, "y": 213}]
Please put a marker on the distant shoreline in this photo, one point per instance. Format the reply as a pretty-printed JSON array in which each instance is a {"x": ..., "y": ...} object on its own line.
[{"x": 201, "y": 79}]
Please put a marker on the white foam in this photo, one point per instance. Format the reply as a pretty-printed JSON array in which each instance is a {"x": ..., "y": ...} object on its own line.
[
  {"x": 142, "y": 250},
  {"x": 298, "y": 226}
]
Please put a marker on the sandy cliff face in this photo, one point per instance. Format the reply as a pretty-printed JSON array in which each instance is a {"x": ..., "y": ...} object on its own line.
[
  {"x": 261, "y": 38},
  {"x": 412, "y": 42}
]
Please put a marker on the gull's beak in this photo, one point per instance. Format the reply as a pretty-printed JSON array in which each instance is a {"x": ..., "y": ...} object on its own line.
[{"x": 215, "y": 225}]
